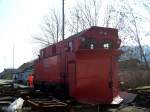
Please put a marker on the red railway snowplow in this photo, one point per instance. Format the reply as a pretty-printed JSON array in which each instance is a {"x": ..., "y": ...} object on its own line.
[{"x": 82, "y": 67}]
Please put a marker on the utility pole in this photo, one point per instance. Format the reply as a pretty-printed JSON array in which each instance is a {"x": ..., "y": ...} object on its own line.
[
  {"x": 63, "y": 20},
  {"x": 13, "y": 55},
  {"x": 13, "y": 72}
]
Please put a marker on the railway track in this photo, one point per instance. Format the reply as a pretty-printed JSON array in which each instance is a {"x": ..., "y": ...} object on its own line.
[
  {"x": 34, "y": 100},
  {"x": 37, "y": 101}
]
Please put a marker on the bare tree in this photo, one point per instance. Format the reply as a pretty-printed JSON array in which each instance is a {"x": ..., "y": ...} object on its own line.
[
  {"x": 51, "y": 29},
  {"x": 146, "y": 4},
  {"x": 131, "y": 30},
  {"x": 84, "y": 15}
]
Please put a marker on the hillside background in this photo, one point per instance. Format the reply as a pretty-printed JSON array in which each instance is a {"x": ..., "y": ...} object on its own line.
[{"x": 132, "y": 70}]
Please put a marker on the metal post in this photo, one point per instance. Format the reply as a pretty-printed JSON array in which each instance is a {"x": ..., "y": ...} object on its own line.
[
  {"x": 13, "y": 55},
  {"x": 63, "y": 19},
  {"x": 13, "y": 78}
]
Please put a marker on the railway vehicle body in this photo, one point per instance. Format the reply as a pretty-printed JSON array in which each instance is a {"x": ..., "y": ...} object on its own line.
[{"x": 83, "y": 66}]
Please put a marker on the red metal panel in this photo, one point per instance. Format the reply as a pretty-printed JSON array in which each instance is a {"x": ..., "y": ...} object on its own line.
[
  {"x": 48, "y": 69},
  {"x": 72, "y": 78},
  {"x": 38, "y": 66},
  {"x": 93, "y": 77},
  {"x": 51, "y": 69}
]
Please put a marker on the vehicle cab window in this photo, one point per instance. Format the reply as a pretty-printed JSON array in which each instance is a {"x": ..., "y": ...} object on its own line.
[
  {"x": 42, "y": 53},
  {"x": 106, "y": 44},
  {"x": 88, "y": 43},
  {"x": 70, "y": 46}
]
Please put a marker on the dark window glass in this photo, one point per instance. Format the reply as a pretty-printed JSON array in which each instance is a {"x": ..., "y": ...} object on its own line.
[
  {"x": 88, "y": 43},
  {"x": 70, "y": 45},
  {"x": 106, "y": 44},
  {"x": 54, "y": 50}
]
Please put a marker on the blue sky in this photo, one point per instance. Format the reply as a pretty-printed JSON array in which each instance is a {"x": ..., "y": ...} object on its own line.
[{"x": 19, "y": 20}]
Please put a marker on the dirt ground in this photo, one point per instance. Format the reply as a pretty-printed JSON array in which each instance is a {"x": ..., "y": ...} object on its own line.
[
  {"x": 91, "y": 108},
  {"x": 120, "y": 109}
]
